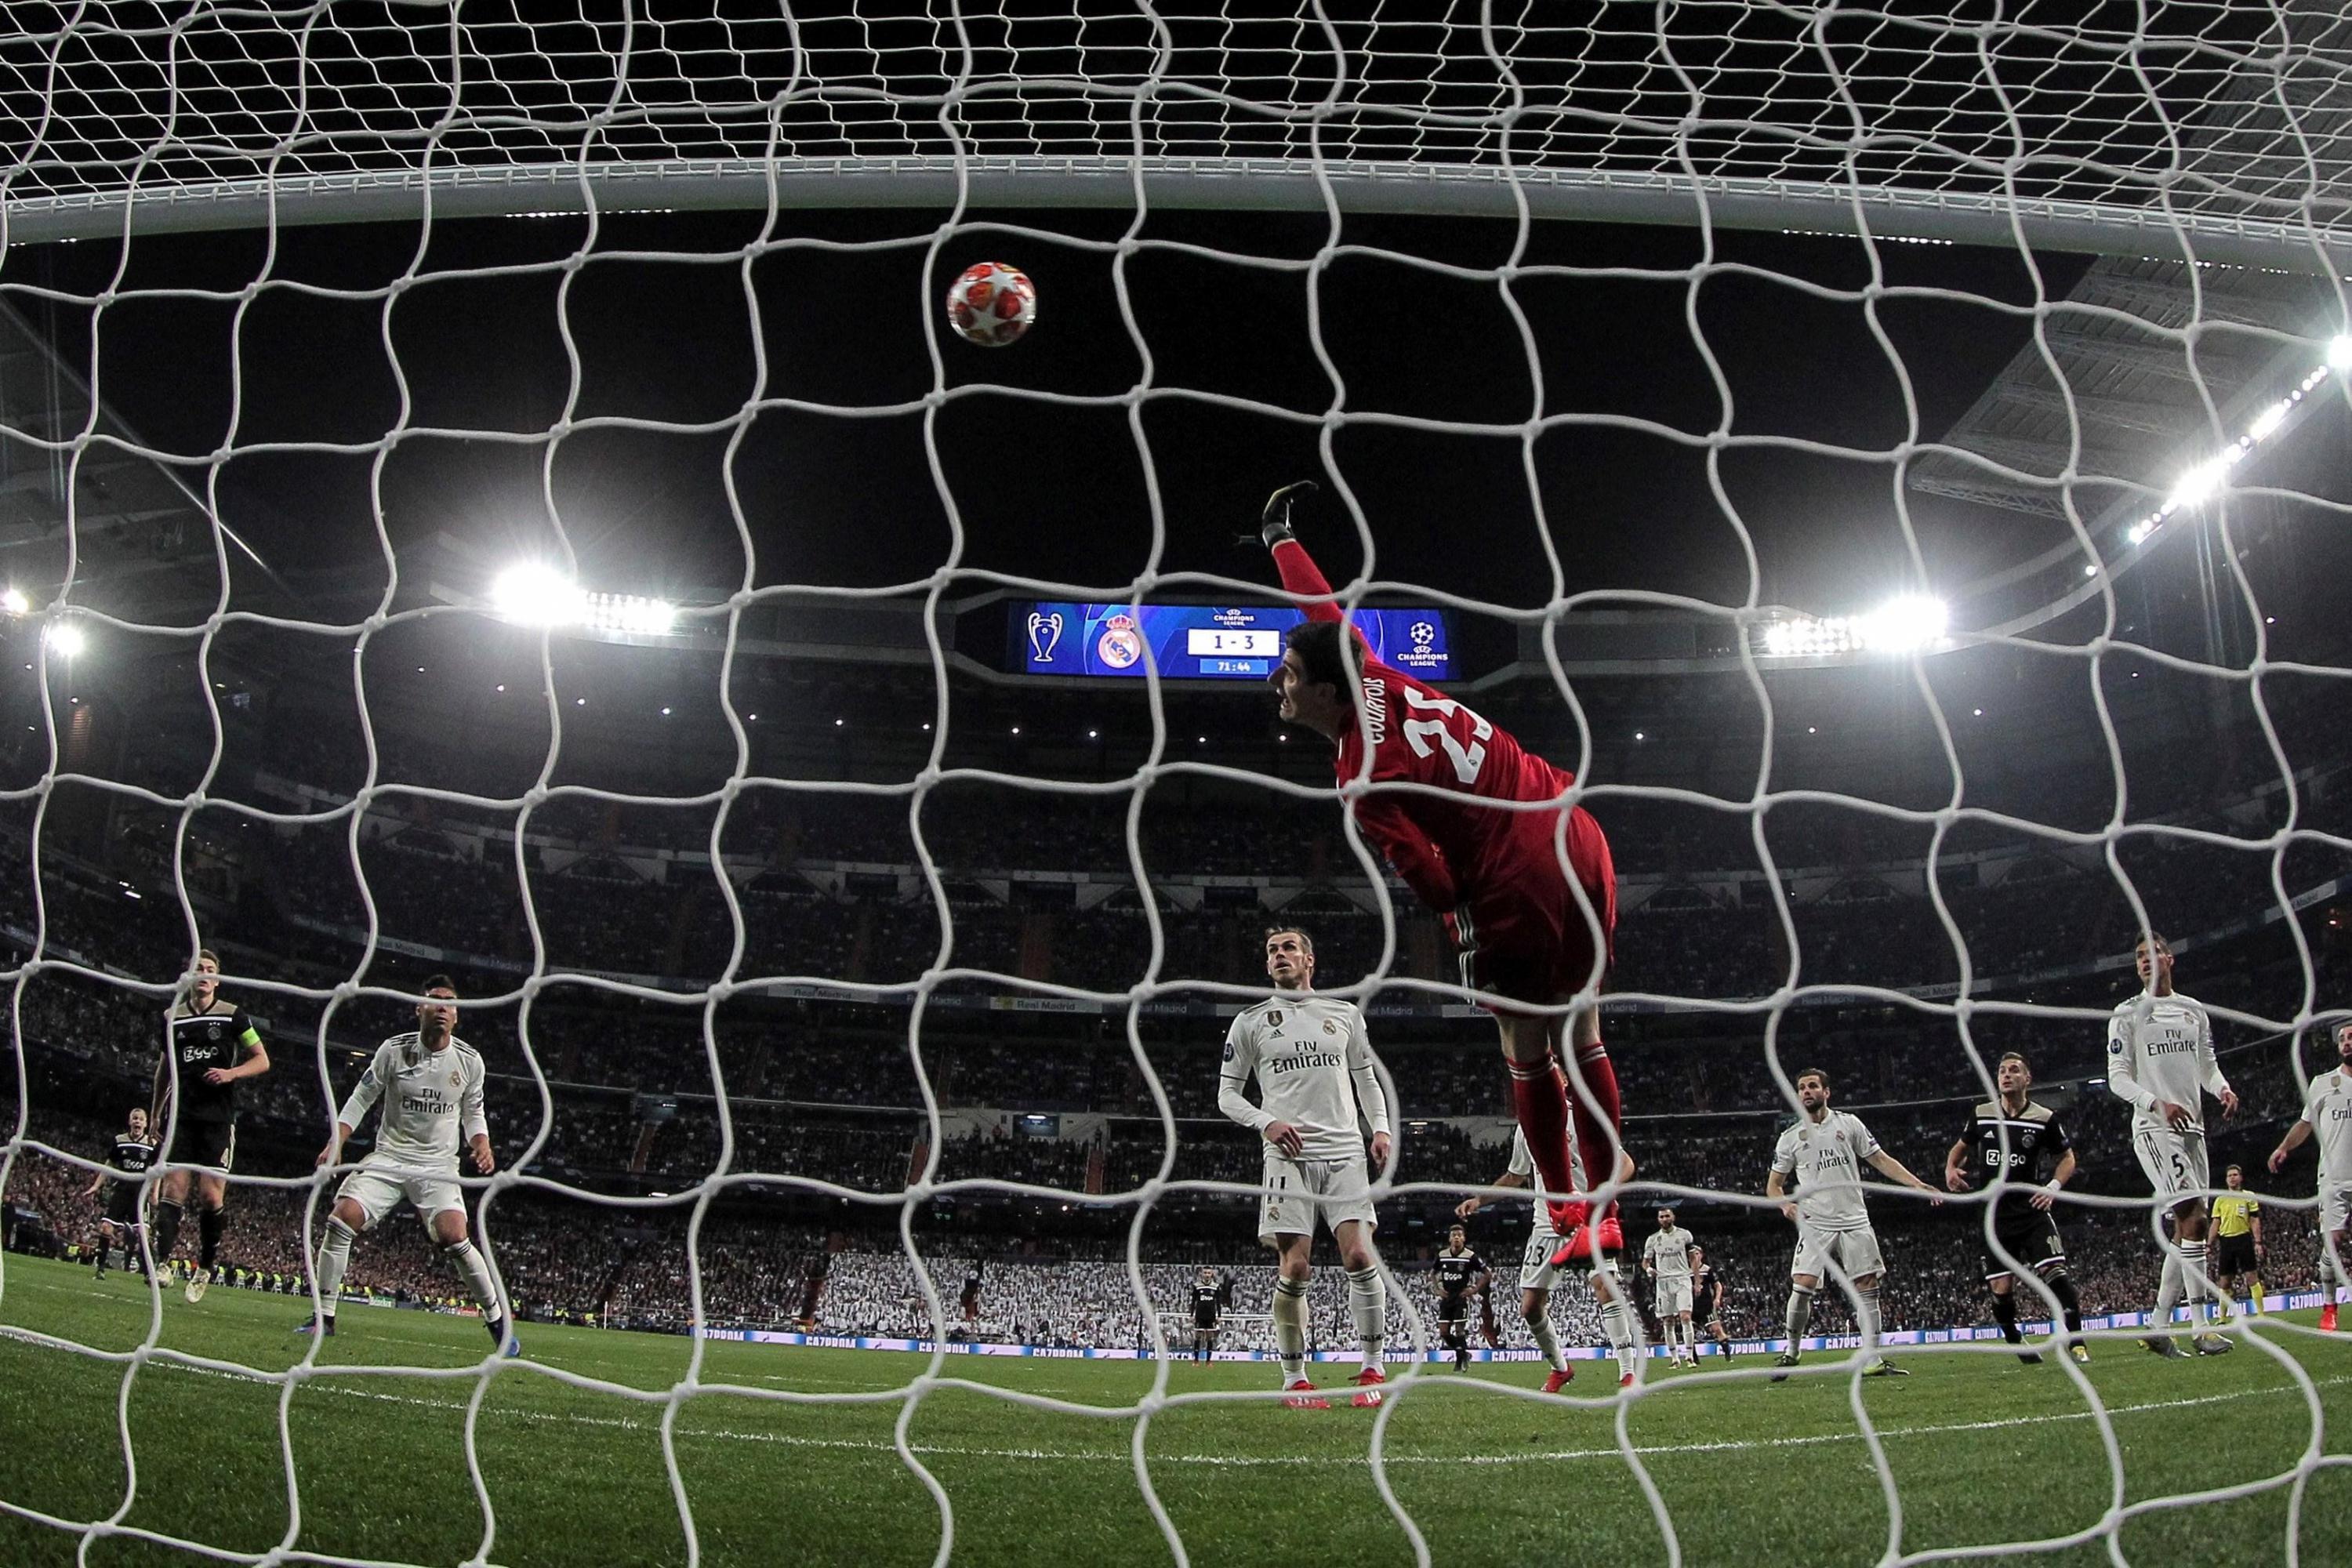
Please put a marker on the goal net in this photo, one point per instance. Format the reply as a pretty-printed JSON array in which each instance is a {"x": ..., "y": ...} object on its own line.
[{"x": 493, "y": 498}]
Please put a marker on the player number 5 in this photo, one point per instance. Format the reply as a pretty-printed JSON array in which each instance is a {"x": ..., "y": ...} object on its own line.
[{"x": 1418, "y": 732}]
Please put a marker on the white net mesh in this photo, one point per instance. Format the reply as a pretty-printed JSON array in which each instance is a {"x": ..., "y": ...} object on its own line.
[{"x": 743, "y": 1027}]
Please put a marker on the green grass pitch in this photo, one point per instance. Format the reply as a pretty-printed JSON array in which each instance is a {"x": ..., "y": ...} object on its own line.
[{"x": 1981, "y": 1450}]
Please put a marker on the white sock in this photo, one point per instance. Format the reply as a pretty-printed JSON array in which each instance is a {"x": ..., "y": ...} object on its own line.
[
  {"x": 475, "y": 1269},
  {"x": 1290, "y": 1327},
  {"x": 1800, "y": 1316},
  {"x": 2192, "y": 1275},
  {"x": 1617, "y": 1322},
  {"x": 1548, "y": 1341},
  {"x": 1866, "y": 1317},
  {"x": 334, "y": 1258},
  {"x": 2168, "y": 1290},
  {"x": 1368, "y": 1303}
]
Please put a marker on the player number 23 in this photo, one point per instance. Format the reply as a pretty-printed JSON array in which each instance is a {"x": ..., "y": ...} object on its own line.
[{"x": 1418, "y": 732}]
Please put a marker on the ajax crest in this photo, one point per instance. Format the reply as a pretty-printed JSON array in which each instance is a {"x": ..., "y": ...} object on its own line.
[
  {"x": 1120, "y": 644},
  {"x": 1045, "y": 634}
]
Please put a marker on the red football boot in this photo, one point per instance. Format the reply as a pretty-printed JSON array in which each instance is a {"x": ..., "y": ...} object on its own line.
[
  {"x": 1568, "y": 1215},
  {"x": 2327, "y": 1317},
  {"x": 1368, "y": 1387},
  {"x": 1580, "y": 1248},
  {"x": 1301, "y": 1396},
  {"x": 1559, "y": 1380}
]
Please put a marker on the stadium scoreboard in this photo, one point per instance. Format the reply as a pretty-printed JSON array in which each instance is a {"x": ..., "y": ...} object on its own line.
[{"x": 1204, "y": 642}]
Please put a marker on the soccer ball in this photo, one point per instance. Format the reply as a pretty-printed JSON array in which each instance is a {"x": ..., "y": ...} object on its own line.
[{"x": 992, "y": 304}]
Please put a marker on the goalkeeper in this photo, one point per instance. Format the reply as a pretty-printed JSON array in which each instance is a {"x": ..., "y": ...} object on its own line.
[{"x": 1528, "y": 896}]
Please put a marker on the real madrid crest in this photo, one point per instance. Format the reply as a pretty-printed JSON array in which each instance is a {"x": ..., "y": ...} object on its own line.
[{"x": 1121, "y": 644}]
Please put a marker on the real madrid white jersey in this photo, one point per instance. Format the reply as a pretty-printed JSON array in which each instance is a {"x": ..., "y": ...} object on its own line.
[
  {"x": 432, "y": 1102},
  {"x": 2328, "y": 1108},
  {"x": 1667, "y": 1252},
  {"x": 1826, "y": 1158},
  {"x": 2161, "y": 1049},
  {"x": 1313, "y": 1063}
]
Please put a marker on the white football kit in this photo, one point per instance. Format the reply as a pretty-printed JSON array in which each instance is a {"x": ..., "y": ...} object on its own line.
[
  {"x": 432, "y": 1106},
  {"x": 1536, "y": 1270},
  {"x": 2328, "y": 1108},
  {"x": 2161, "y": 1049},
  {"x": 1833, "y": 1221},
  {"x": 1313, "y": 1063},
  {"x": 1667, "y": 1254}
]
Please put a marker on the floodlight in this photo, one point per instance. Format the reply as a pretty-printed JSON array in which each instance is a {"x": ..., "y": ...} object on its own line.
[
  {"x": 536, "y": 595},
  {"x": 2339, "y": 351},
  {"x": 2269, "y": 420},
  {"x": 629, "y": 612},
  {"x": 2197, "y": 485},
  {"x": 1901, "y": 624},
  {"x": 66, "y": 639},
  {"x": 2139, "y": 531},
  {"x": 15, "y": 601}
]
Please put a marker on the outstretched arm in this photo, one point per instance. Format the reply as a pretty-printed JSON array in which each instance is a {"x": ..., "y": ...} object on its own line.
[{"x": 1298, "y": 570}]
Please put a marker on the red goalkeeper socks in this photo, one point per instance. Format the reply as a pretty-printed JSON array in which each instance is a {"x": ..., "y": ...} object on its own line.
[
  {"x": 1539, "y": 1102},
  {"x": 1596, "y": 1135}
]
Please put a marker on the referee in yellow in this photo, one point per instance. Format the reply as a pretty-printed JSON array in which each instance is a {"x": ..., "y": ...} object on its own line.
[{"x": 2238, "y": 1238}]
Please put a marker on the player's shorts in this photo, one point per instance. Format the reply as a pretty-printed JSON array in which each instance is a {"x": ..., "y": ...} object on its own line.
[
  {"x": 1200, "y": 1327},
  {"x": 209, "y": 1144},
  {"x": 1674, "y": 1297},
  {"x": 1454, "y": 1309},
  {"x": 2174, "y": 1161},
  {"x": 1821, "y": 1253},
  {"x": 2033, "y": 1241},
  {"x": 2334, "y": 1208},
  {"x": 2232, "y": 1254},
  {"x": 1523, "y": 934},
  {"x": 1535, "y": 1272},
  {"x": 378, "y": 1187},
  {"x": 1338, "y": 1190},
  {"x": 122, "y": 1203}
]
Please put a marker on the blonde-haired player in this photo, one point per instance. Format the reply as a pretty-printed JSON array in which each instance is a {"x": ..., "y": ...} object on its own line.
[
  {"x": 1313, "y": 1062},
  {"x": 2327, "y": 1112},
  {"x": 2160, "y": 1059}
]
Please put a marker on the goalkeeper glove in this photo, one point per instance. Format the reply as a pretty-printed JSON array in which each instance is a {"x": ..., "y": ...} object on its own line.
[{"x": 1274, "y": 524}]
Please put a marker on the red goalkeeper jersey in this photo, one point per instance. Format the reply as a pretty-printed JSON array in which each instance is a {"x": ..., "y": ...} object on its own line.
[{"x": 1448, "y": 847}]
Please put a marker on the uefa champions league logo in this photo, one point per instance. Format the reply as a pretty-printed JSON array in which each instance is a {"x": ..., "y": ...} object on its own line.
[
  {"x": 1423, "y": 634},
  {"x": 1045, "y": 636}
]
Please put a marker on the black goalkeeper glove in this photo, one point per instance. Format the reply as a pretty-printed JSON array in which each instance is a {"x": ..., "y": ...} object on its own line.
[{"x": 1274, "y": 524}]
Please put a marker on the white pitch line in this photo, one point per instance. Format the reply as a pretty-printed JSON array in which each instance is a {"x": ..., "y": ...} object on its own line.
[{"x": 1250, "y": 1461}]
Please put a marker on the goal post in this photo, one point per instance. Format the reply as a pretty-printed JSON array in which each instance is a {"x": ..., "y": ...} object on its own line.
[{"x": 2220, "y": 140}]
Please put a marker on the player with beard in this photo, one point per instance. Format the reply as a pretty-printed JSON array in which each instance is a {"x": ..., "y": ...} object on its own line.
[{"x": 1316, "y": 1079}]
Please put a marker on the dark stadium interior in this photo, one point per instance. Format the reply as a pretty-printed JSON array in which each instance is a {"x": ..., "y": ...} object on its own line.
[{"x": 1070, "y": 1026}]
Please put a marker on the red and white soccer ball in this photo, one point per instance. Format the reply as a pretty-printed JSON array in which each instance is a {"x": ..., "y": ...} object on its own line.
[{"x": 992, "y": 304}]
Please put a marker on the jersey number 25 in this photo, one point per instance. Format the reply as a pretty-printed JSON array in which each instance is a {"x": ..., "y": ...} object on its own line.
[{"x": 1418, "y": 732}]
